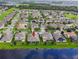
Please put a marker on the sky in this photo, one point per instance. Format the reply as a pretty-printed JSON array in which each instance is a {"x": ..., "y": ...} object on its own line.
[
  {"x": 66, "y": 2},
  {"x": 34, "y": 0},
  {"x": 38, "y": 0}
]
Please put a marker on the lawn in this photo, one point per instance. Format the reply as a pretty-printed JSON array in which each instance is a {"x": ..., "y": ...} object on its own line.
[
  {"x": 30, "y": 46},
  {"x": 71, "y": 16},
  {"x": 4, "y": 14}
]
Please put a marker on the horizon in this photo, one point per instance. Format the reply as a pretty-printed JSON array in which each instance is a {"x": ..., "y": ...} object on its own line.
[{"x": 51, "y": 2}]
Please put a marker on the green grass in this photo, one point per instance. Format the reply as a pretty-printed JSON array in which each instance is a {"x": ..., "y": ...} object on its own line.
[
  {"x": 37, "y": 29},
  {"x": 71, "y": 16},
  {"x": 25, "y": 46},
  {"x": 4, "y": 14},
  {"x": 2, "y": 29}
]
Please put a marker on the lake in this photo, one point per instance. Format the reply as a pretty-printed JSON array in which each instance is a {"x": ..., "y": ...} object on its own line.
[{"x": 67, "y": 53}]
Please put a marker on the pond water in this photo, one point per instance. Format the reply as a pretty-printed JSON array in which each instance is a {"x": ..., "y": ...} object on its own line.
[{"x": 69, "y": 53}]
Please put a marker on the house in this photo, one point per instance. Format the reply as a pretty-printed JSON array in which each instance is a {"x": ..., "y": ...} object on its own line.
[
  {"x": 47, "y": 37},
  {"x": 61, "y": 26},
  {"x": 1, "y": 25},
  {"x": 52, "y": 25},
  {"x": 66, "y": 27},
  {"x": 59, "y": 37},
  {"x": 71, "y": 35},
  {"x": 20, "y": 36},
  {"x": 7, "y": 36},
  {"x": 34, "y": 25},
  {"x": 23, "y": 15},
  {"x": 33, "y": 37},
  {"x": 74, "y": 38},
  {"x": 49, "y": 21},
  {"x": 22, "y": 24},
  {"x": 36, "y": 14},
  {"x": 41, "y": 20}
]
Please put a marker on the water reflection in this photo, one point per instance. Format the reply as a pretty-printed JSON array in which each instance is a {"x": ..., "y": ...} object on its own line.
[{"x": 39, "y": 54}]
